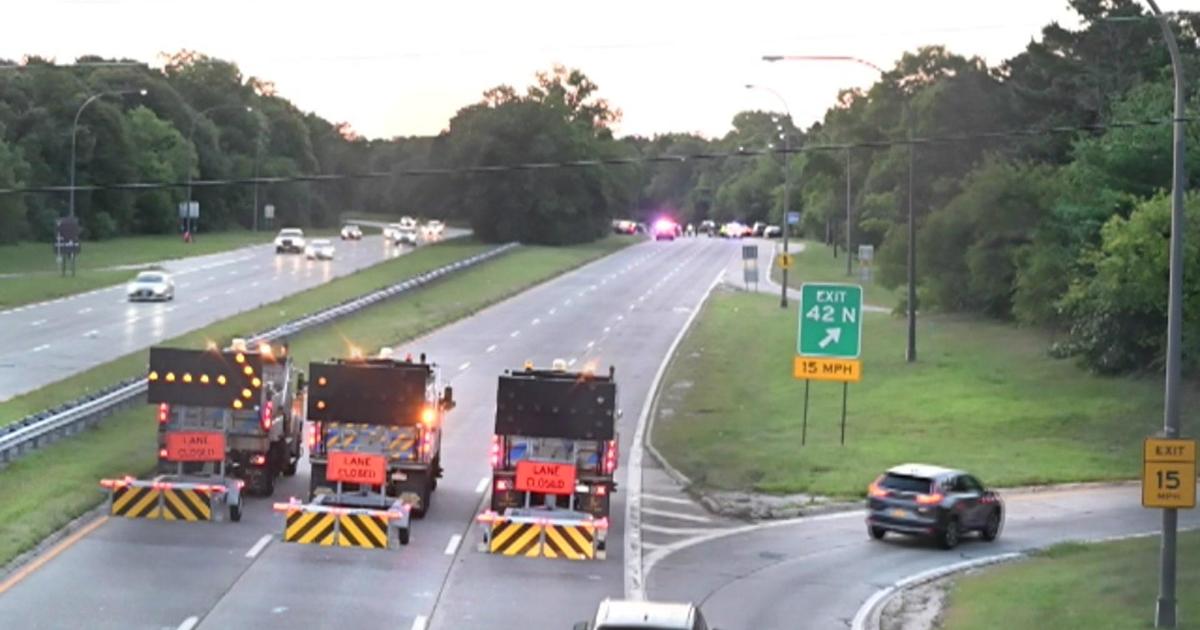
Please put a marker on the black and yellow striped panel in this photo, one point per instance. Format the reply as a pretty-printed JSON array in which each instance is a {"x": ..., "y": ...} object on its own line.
[
  {"x": 135, "y": 502},
  {"x": 516, "y": 539},
  {"x": 573, "y": 542},
  {"x": 363, "y": 530},
  {"x": 310, "y": 528},
  {"x": 186, "y": 505}
]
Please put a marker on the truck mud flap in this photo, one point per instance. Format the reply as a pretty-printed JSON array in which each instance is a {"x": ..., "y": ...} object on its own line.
[
  {"x": 162, "y": 500},
  {"x": 329, "y": 526},
  {"x": 533, "y": 537}
]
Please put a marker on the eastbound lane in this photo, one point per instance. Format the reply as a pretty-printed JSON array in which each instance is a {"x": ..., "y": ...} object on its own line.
[
  {"x": 622, "y": 310},
  {"x": 49, "y": 341},
  {"x": 817, "y": 572}
]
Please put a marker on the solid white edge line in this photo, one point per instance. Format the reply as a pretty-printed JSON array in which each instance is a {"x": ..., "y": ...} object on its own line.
[
  {"x": 481, "y": 486},
  {"x": 189, "y": 623},
  {"x": 452, "y": 546},
  {"x": 659, "y": 497},
  {"x": 259, "y": 546},
  {"x": 464, "y": 366},
  {"x": 420, "y": 622},
  {"x": 635, "y": 586},
  {"x": 679, "y": 516}
]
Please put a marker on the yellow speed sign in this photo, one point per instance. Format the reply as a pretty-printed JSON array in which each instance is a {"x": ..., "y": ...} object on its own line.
[
  {"x": 785, "y": 261},
  {"x": 1169, "y": 473}
]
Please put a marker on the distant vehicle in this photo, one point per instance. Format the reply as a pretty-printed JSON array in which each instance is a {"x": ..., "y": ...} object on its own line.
[
  {"x": 733, "y": 229},
  {"x": 625, "y": 227},
  {"x": 643, "y": 615},
  {"x": 757, "y": 228},
  {"x": 708, "y": 227},
  {"x": 290, "y": 240},
  {"x": 933, "y": 502},
  {"x": 390, "y": 231},
  {"x": 772, "y": 231},
  {"x": 691, "y": 230},
  {"x": 665, "y": 230},
  {"x": 319, "y": 249},
  {"x": 405, "y": 236},
  {"x": 434, "y": 229},
  {"x": 351, "y": 232},
  {"x": 408, "y": 223},
  {"x": 151, "y": 285}
]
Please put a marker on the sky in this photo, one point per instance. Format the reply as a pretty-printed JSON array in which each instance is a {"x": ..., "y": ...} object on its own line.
[{"x": 397, "y": 67}]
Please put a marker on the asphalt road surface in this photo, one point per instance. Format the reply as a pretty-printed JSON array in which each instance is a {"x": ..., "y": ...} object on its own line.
[
  {"x": 49, "y": 341},
  {"x": 623, "y": 310},
  {"x": 816, "y": 572}
]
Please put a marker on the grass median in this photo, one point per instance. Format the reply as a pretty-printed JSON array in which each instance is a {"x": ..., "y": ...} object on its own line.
[
  {"x": 815, "y": 263},
  {"x": 984, "y": 396},
  {"x": 54, "y": 485},
  {"x": 38, "y": 276},
  {"x": 1107, "y": 586}
]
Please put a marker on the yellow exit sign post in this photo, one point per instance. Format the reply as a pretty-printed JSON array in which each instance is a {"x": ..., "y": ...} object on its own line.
[{"x": 1169, "y": 473}]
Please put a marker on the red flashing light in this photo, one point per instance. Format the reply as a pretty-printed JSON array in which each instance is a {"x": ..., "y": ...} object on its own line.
[
  {"x": 164, "y": 413},
  {"x": 162, "y": 453},
  {"x": 600, "y": 490},
  {"x": 258, "y": 460},
  {"x": 610, "y": 457},
  {"x": 502, "y": 485},
  {"x": 314, "y": 437},
  {"x": 497, "y": 448},
  {"x": 268, "y": 415}
]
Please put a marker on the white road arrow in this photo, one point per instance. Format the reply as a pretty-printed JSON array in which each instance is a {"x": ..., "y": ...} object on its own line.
[{"x": 832, "y": 335}]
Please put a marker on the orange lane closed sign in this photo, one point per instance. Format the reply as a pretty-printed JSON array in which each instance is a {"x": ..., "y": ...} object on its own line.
[
  {"x": 545, "y": 477},
  {"x": 361, "y": 468},
  {"x": 195, "y": 446}
]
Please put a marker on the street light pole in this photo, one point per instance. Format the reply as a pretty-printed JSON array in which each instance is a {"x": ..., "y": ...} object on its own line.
[
  {"x": 1165, "y": 607},
  {"x": 192, "y": 143},
  {"x": 787, "y": 188},
  {"x": 75, "y": 130}
]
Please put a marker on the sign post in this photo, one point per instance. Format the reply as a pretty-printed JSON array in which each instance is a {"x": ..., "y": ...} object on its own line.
[
  {"x": 829, "y": 339},
  {"x": 750, "y": 265}
]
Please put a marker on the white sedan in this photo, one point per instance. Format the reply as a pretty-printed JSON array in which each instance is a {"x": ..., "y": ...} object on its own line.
[
  {"x": 151, "y": 285},
  {"x": 319, "y": 249}
]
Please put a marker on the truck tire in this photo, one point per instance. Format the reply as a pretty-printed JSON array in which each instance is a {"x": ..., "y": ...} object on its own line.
[
  {"x": 235, "y": 511},
  {"x": 402, "y": 535},
  {"x": 425, "y": 495},
  {"x": 291, "y": 461}
]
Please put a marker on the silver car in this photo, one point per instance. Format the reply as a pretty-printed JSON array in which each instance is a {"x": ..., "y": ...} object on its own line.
[
  {"x": 629, "y": 614},
  {"x": 151, "y": 286},
  {"x": 405, "y": 236},
  {"x": 319, "y": 249}
]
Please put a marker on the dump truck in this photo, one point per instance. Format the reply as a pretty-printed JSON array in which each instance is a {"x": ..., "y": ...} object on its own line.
[
  {"x": 553, "y": 456},
  {"x": 374, "y": 448},
  {"x": 226, "y": 419}
]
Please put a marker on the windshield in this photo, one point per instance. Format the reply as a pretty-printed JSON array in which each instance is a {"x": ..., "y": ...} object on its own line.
[
  {"x": 320, "y": 242},
  {"x": 905, "y": 483},
  {"x": 150, "y": 278},
  {"x": 291, "y": 233}
]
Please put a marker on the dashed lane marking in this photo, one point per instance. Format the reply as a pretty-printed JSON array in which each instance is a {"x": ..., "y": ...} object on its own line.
[
  {"x": 514, "y": 333},
  {"x": 259, "y": 546},
  {"x": 481, "y": 486},
  {"x": 41, "y": 347},
  {"x": 452, "y": 546},
  {"x": 464, "y": 366},
  {"x": 189, "y": 623},
  {"x": 695, "y": 518},
  {"x": 491, "y": 348}
]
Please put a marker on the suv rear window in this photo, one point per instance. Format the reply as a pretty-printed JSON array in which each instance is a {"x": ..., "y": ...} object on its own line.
[{"x": 906, "y": 483}]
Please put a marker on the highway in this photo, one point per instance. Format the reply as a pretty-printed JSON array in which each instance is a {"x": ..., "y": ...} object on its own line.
[
  {"x": 816, "y": 572},
  {"x": 49, "y": 341},
  {"x": 623, "y": 310}
]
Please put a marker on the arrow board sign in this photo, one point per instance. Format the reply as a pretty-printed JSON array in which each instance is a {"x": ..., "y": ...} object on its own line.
[{"x": 830, "y": 321}]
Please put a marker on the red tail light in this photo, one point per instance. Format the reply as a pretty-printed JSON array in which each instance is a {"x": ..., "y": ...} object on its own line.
[
  {"x": 600, "y": 490},
  {"x": 502, "y": 485},
  {"x": 877, "y": 491},
  {"x": 610, "y": 457},
  {"x": 162, "y": 453},
  {"x": 930, "y": 499},
  {"x": 258, "y": 460},
  {"x": 314, "y": 437},
  {"x": 164, "y": 413},
  {"x": 268, "y": 415},
  {"x": 497, "y": 456}
]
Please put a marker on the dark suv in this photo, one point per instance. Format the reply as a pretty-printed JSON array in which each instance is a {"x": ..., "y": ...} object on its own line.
[{"x": 933, "y": 502}]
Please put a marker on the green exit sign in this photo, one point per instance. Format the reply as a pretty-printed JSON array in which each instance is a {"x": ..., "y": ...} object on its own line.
[{"x": 830, "y": 320}]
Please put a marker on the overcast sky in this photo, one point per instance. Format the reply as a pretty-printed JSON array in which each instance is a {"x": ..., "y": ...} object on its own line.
[{"x": 391, "y": 67}]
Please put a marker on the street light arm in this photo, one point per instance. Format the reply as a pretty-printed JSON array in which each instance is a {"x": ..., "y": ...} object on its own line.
[
  {"x": 75, "y": 130},
  {"x": 858, "y": 60}
]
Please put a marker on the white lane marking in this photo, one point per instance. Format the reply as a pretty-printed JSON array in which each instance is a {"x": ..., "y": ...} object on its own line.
[
  {"x": 202, "y": 299},
  {"x": 571, "y": 362},
  {"x": 85, "y": 311},
  {"x": 91, "y": 333},
  {"x": 632, "y": 306},
  {"x": 659, "y": 497},
  {"x": 553, "y": 311},
  {"x": 41, "y": 347},
  {"x": 420, "y": 623},
  {"x": 676, "y": 531},
  {"x": 491, "y": 348},
  {"x": 607, "y": 329},
  {"x": 464, "y": 366},
  {"x": 567, "y": 302},
  {"x": 592, "y": 288},
  {"x": 38, "y": 322},
  {"x": 695, "y": 518},
  {"x": 189, "y": 623},
  {"x": 229, "y": 291},
  {"x": 481, "y": 486},
  {"x": 536, "y": 321},
  {"x": 515, "y": 333},
  {"x": 860, "y": 617},
  {"x": 452, "y": 546},
  {"x": 620, "y": 317},
  {"x": 259, "y": 546},
  {"x": 254, "y": 284}
]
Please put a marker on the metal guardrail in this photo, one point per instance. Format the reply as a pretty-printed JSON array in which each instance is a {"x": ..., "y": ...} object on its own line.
[{"x": 37, "y": 430}]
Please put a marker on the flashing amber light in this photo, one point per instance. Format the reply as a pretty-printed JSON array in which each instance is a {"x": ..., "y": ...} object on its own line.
[
  {"x": 356, "y": 352},
  {"x": 240, "y": 358},
  {"x": 428, "y": 416},
  {"x": 246, "y": 393},
  {"x": 322, "y": 381},
  {"x": 210, "y": 345},
  {"x": 248, "y": 371},
  {"x": 153, "y": 375},
  {"x": 930, "y": 499},
  {"x": 237, "y": 404},
  {"x": 204, "y": 379},
  {"x": 529, "y": 366},
  {"x": 170, "y": 377},
  {"x": 257, "y": 382},
  {"x": 187, "y": 377},
  {"x": 264, "y": 348},
  {"x": 320, "y": 404},
  {"x": 220, "y": 379}
]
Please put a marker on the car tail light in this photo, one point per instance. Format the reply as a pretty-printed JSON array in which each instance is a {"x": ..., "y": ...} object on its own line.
[
  {"x": 268, "y": 415},
  {"x": 599, "y": 490},
  {"x": 930, "y": 499},
  {"x": 497, "y": 455},
  {"x": 164, "y": 413},
  {"x": 258, "y": 459},
  {"x": 877, "y": 491},
  {"x": 502, "y": 485},
  {"x": 610, "y": 457}
]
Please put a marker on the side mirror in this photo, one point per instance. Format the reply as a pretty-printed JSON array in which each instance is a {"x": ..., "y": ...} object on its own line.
[{"x": 448, "y": 398}]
